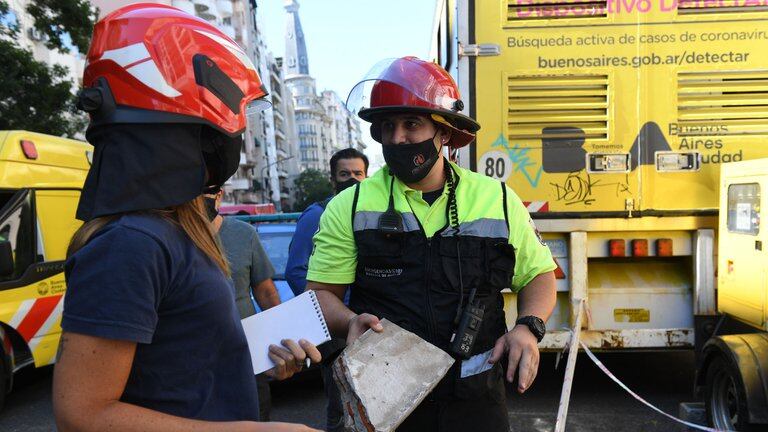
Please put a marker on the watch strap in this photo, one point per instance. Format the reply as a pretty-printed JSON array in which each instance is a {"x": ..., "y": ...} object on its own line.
[{"x": 530, "y": 322}]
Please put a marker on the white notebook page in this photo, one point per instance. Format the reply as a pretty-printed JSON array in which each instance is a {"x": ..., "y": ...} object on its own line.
[{"x": 298, "y": 318}]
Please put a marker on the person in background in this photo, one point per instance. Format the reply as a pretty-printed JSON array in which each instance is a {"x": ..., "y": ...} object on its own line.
[
  {"x": 251, "y": 271},
  {"x": 348, "y": 168},
  {"x": 151, "y": 339}
]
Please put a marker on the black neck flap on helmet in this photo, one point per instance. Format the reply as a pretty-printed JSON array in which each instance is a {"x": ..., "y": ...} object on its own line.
[{"x": 154, "y": 166}]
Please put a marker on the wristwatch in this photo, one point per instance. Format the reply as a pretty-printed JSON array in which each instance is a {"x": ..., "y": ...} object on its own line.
[{"x": 535, "y": 324}]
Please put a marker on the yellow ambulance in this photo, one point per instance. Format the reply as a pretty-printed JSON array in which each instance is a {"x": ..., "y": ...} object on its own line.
[{"x": 40, "y": 181}]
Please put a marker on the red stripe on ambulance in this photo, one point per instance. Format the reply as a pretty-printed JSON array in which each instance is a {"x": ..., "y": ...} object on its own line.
[{"x": 37, "y": 316}]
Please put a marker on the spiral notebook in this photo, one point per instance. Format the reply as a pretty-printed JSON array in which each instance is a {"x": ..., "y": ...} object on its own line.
[{"x": 298, "y": 318}]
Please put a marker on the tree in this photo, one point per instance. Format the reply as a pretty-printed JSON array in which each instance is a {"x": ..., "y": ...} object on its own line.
[
  {"x": 311, "y": 186},
  {"x": 59, "y": 18},
  {"x": 36, "y": 96}
]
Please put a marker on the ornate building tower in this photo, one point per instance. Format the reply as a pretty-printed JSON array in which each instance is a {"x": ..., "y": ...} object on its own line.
[{"x": 314, "y": 144}]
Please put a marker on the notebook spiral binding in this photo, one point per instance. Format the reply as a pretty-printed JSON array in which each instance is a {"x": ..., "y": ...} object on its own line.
[{"x": 319, "y": 312}]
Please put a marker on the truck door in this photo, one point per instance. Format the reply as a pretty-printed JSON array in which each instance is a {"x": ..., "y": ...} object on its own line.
[
  {"x": 17, "y": 226},
  {"x": 56, "y": 220},
  {"x": 31, "y": 295},
  {"x": 743, "y": 240}
]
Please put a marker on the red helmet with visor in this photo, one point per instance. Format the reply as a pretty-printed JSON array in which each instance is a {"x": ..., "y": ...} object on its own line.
[
  {"x": 410, "y": 84},
  {"x": 168, "y": 95},
  {"x": 151, "y": 63}
]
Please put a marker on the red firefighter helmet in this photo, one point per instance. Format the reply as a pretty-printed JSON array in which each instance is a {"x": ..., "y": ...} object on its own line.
[
  {"x": 151, "y": 63},
  {"x": 410, "y": 84}
]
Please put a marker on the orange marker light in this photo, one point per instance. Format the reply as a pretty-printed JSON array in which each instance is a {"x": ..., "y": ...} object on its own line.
[
  {"x": 640, "y": 247},
  {"x": 616, "y": 248},
  {"x": 664, "y": 247},
  {"x": 29, "y": 149}
]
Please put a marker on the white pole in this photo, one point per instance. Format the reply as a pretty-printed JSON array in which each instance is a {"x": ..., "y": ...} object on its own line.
[{"x": 573, "y": 350}]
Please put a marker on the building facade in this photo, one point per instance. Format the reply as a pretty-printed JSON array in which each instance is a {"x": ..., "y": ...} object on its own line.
[
  {"x": 30, "y": 38},
  {"x": 286, "y": 134},
  {"x": 343, "y": 126},
  {"x": 275, "y": 153}
]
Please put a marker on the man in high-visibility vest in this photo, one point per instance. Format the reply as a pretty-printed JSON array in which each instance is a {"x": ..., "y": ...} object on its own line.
[{"x": 430, "y": 246}]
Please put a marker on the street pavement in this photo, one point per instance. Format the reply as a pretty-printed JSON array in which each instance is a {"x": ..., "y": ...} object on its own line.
[{"x": 597, "y": 403}]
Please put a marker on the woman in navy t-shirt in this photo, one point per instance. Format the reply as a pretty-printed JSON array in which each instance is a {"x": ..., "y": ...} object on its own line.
[{"x": 151, "y": 337}]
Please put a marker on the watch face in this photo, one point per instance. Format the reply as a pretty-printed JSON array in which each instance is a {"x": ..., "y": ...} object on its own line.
[{"x": 535, "y": 324}]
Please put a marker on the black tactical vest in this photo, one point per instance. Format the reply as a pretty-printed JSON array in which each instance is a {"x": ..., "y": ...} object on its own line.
[{"x": 413, "y": 280}]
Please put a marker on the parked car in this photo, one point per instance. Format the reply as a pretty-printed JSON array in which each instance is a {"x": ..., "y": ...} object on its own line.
[
  {"x": 276, "y": 232},
  {"x": 276, "y": 238}
]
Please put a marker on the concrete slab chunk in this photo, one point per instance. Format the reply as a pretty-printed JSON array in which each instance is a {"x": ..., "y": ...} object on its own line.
[{"x": 384, "y": 376}]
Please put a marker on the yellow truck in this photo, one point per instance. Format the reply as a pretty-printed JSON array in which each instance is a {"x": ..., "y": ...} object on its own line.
[
  {"x": 733, "y": 365},
  {"x": 610, "y": 119},
  {"x": 41, "y": 178}
]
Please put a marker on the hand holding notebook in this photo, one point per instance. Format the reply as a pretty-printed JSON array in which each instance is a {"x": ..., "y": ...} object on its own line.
[{"x": 298, "y": 318}]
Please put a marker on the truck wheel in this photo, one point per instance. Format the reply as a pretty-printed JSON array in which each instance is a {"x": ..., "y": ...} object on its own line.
[{"x": 726, "y": 400}]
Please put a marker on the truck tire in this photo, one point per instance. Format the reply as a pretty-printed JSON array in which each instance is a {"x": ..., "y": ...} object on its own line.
[{"x": 726, "y": 400}]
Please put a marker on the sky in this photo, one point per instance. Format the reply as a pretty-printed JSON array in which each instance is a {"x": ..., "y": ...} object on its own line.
[{"x": 345, "y": 38}]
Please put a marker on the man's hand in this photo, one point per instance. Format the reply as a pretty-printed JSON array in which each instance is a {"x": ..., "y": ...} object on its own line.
[
  {"x": 523, "y": 352},
  {"x": 359, "y": 324},
  {"x": 291, "y": 360}
]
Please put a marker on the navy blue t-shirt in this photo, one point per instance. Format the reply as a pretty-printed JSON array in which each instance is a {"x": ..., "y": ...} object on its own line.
[{"x": 141, "y": 279}]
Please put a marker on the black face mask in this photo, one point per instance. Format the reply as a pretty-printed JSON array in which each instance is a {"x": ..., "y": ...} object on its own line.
[
  {"x": 411, "y": 162},
  {"x": 340, "y": 186},
  {"x": 210, "y": 208}
]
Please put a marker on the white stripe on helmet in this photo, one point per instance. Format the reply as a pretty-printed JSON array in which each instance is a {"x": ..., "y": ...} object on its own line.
[
  {"x": 147, "y": 71},
  {"x": 127, "y": 55},
  {"x": 150, "y": 75},
  {"x": 232, "y": 47}
]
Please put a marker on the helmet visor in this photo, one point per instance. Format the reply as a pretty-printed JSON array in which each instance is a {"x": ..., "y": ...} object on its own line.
[{"x": 405, "y": 82}]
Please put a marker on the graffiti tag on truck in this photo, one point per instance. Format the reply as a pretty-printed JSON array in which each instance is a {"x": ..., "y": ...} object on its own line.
[{"x": 578, "y": 188}]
